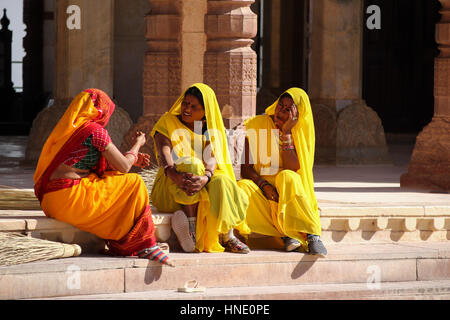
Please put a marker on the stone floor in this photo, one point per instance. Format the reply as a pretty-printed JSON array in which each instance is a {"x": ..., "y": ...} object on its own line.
[
  {"x": 349, "y": 186},
  {"x": 418, "y": 270},
  {"x": 377, "y": 270}
]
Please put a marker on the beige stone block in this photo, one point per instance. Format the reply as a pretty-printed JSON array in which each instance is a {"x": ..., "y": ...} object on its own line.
[
  {"x": 433, "y": 269},
  {"x": 162, "y": 223},
  {"x": 45, "y": 223},
  {"x": 228, "y": 275},
  {"x": 431, "y": 224},
  {"x": 437, "y": 211},
  {"x": 73, "y": 281},
  {"x": 12, "y": 225},
  {"x": 409, "y": 224},
  {"x": 382, "y": 236},
  {"x": 381, "y": 223},
  {"x": 374, "y": 224},
  {"x": 376, "y": 211},
  {"x": 325, "y": 223},
  {"x": 352, "y": 224}
]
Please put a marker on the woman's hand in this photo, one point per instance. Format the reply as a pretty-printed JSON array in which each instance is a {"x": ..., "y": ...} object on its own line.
[
  {"x": 177, "y": 177},
  {"x": 139, "y": 138},
  {"x": 270, "y": 192},
  {"x": 143, "y": 160},
  {"x": 194, "y": 184},
  {"x": 291, "y": 121}
]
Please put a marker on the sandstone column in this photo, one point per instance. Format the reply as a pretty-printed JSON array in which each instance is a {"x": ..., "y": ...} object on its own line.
[
  {"x": 83, "y": 59},
  {"x": 347, "y": 131},
  {"x": 230, "y": 63},
  {"x": 429, "y": 168},
  {"x": 162, "y": 62},
  {"x": 174, "y": 60}
]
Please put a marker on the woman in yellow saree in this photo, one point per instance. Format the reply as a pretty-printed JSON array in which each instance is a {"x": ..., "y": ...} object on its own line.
[
  {"x": 196, "y": 180},
  {"x": 82, "y": 179},
  {"x": 278, "y": 173}
]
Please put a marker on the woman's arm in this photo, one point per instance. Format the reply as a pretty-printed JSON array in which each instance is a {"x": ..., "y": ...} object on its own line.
[
  {"x": 164, "y": 148},
  {"x": 287, "y": 148},
  {"x": 195, "y": 183},
  {"x": 288, "y": 153},
  {"x": 120, "y": 162},
  {"x": 249, "y": 172}
]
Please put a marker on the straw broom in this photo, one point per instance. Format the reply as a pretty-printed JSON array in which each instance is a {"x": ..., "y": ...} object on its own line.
[{"x": 17, "y": 249}]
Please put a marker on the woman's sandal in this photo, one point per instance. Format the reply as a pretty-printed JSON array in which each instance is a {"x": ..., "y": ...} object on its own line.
[
  {"x": 157, "y": 255},
  {"x": 236, "y": 246},
  {"x": 191, "y": 286},
  {"x": 180, "y": 226}
]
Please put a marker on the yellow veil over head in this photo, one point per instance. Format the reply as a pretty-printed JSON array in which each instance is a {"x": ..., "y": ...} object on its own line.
[
  {"x": 214, "y": 121},
  {"x": 303, "y": 135}
]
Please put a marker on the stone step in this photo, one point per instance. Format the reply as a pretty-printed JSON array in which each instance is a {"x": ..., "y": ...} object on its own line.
[
  {"x": 343, "y": 223},
  {"x": 353, "y": 227},
  {"x": 408, "y": 290},
  {"x": 345, "y": 264}
]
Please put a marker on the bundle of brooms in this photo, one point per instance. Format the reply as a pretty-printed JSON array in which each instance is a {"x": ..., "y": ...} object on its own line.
[{"x": 16, "y": 249}]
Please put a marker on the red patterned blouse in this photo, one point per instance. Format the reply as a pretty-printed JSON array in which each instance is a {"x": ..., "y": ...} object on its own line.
[{"x": 88, "y": 153}]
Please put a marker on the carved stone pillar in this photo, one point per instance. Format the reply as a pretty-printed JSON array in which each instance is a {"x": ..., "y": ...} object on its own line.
[
  {"x": 230, "y": 63},
  {"x": 429, "y": 168},
  {"x": 174, "y": 60},
  {"x": 83, "y": 59},
  {"x": 162, "y": 62},
  {"x": 347, "y": 131}
]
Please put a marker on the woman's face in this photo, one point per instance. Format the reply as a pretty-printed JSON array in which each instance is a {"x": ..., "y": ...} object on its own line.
[
  {"x": 191, "y": 109},
  {"x": 282, "y": 111}
]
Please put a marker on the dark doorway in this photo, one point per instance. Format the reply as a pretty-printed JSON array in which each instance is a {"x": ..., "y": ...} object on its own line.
[
  {"x": 398, "y": 63},
  {"x": 282, "y": 47}
]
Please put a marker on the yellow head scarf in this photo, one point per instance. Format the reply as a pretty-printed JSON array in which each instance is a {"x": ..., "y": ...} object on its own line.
[
  {"x": 216, "y": 129},
  {"x": 303, "y": 135}
]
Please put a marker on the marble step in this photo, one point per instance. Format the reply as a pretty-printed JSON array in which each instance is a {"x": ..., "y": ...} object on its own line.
[
  {"x": 20, "y": 212},
  {"x": 344, "y": 264},
  {"x": 409, "y": 290}
]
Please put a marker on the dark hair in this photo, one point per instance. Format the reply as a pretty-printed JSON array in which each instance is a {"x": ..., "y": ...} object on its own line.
[
  {"x": 195, "y": 92},
  {"x": 286, "y": 95}
]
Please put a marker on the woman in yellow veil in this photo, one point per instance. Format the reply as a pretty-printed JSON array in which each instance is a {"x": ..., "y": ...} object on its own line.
[
  {"x": 82, "y": 179},
  {"x": 278, "y": 173},
  {"x": 196, "y": 180}
]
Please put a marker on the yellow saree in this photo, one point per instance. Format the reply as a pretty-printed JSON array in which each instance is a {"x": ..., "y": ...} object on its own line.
[
  {"x": 296, "y": 213},
  {"x": 222, "y": 204}
]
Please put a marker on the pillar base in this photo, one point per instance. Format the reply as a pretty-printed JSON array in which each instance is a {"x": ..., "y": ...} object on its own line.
[
  {"x": 351, "y": 136},
  {"x": 47, "y": 119},
  {"x": 429, "y": 168}
]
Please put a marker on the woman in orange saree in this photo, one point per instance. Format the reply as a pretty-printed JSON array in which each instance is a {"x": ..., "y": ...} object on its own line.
[{"x": 82, "y": 179}]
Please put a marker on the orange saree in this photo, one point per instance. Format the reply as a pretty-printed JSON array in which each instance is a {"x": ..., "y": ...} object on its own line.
[{"x": 112, "y": 205}]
